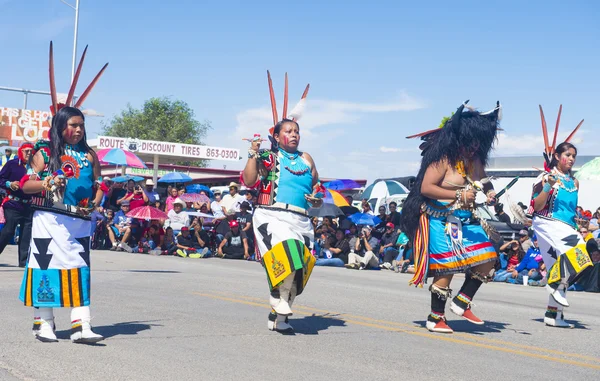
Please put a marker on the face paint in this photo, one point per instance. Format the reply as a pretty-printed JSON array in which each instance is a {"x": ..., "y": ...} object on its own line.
[{"x": 285, "y": 140}]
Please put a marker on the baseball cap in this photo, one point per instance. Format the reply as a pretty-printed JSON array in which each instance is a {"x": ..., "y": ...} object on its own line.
[
  {"x": 125, "y": 203},
  {"x": 347, "y": 232},
  {"x": 523, "y": 232},
  {"x": 245, "y": 204},
  {"x": 233, "y": 224},
  {"x": 389, "y": 225},
  {"x": 185, "y": 229}
]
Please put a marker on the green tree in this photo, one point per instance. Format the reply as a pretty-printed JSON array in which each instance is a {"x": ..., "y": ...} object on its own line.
[{"x": 160, "y": 119}]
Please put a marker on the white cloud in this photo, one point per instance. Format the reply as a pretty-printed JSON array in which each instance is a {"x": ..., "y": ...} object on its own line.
[
  {"x": 385, "y": 149},
  {"x": 322, "y": 113},
  {"x": 529, "y": 144}
]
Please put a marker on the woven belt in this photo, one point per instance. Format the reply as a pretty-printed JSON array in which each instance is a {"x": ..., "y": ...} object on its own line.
[
  {"x": 286, "y": 207},
  {"x": 18, "y": 199}
]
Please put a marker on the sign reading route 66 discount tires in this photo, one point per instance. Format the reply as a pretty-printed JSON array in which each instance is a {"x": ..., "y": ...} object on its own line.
[{"x": 151, "y": 147}]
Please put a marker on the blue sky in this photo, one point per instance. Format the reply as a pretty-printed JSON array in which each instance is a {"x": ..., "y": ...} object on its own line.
[{"x": 379, "y": 70}]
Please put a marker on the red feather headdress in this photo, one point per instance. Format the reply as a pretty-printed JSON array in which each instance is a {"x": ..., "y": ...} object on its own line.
[
  {"x": 549, "y": 149},
  {"x": 57, "y": 106},
  {"x": 296, "y": 112}
]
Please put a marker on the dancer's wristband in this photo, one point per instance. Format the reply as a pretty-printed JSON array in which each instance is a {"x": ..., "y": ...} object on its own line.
[
  {"x": 7, "y": 184},
  {"x": 547, "y": 188}
]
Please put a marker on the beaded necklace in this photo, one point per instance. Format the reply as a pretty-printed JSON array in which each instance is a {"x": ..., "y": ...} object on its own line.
[{"x": 297, "y": 166}]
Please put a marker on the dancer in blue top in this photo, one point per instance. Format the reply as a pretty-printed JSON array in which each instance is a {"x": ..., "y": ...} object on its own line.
[
  {"x": 554, "y": 201},
  {"x": 65, "y": 181},
  {"x": 284, "y": 233}
]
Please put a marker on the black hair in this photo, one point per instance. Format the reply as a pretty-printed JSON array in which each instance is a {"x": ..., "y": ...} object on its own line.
[
  {"x": 559, "y": 150},
  {"x": 278, "y": 126},
  {"x": 393, "y": 203},
  {"x": 470, "y": 133},
  {"x": 57, "y": 141}
]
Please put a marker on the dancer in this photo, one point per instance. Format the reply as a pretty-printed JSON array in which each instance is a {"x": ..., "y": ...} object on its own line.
[
  {"x": 554, "y": 201},
  {"x": 439, "y": 212},
  {"x": 16, "y": 204},
  {"x": 283, "y": 231},
  {"x": 66, "y": 183}
]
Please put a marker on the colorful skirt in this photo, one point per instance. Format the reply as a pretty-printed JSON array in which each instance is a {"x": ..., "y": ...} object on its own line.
[
  {"x": 57, "y": 273},
  {"x": 284, "y": 240},
  {"x": 563, "y": 249},
  {"x": 450, "y": 257}
]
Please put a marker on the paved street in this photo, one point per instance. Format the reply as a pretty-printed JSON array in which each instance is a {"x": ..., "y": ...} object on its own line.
[{"x": 168, "y": 318}]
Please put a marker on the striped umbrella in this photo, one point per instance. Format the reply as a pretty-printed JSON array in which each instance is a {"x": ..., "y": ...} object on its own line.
[
  {"x": 335, "y": 198},
  {"x": 119, "y": 156},
  {"x": 384, "y": 188}
]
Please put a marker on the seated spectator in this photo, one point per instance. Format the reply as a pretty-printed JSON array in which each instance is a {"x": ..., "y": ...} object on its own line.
[
  {"x": 524, "y": 240},
  {"x": 394, "y": 216},
  {"x": 151, "y": 193},
  {"x": 187, "y": 245},
  {"x": 244, "y": 218},
  {"x": 529, "y": 265},
  {"x": 170, "y": 201},
  {"x": 201, "y": 238},
  {"x": 336, "y": 255},
  {"x": 120, "y": 230},
  {"x": 115, "y": 193},
  {"x": 387, "y": 246},
  {"x": 169, "y": 244},
  {"x": 151, "y": 239},
  {"x": 366, "y": 207},
  {"x": 352, "y": 235},
  {"x": 513, "y": 253},
  {"x": 402, "y": 261},
  {"x": 177, "y": 217},
  {"x": 500, "y": 214},
  {"x": 234, "y": 244},
  {"x": 135, "y": 195},
  {"x": 379, "y": 229},
  {"x": 363, "y": 256}
]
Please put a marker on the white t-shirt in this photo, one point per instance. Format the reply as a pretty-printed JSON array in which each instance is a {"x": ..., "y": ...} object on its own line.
[
  {"x": 230, "y": 202},
  {"x": 177, "y": 220}
]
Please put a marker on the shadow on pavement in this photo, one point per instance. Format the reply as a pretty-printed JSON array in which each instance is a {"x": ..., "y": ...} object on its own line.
[
  {"x": 126, "y": 328},
  {"x": 311, "y": 325},
  {"x": 487, "y": 327},
  {"x": 155, "y": 271},
  {"x": 576, "y": 323}
]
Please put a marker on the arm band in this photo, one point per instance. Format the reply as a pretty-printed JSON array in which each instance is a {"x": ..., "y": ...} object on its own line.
[
  {"x": 7, "y": 184},
  {"x": 546, "y": 188}
]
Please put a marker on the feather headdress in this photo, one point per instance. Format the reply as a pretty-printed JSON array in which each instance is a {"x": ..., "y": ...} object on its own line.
[
  {"x": 296, "y": 112},
  {"x": 549, "y": 148},
  {"x": 57, "y": 106}
]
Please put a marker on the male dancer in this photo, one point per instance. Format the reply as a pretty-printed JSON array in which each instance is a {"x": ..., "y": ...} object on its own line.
[{"x": 439, "y": 212}]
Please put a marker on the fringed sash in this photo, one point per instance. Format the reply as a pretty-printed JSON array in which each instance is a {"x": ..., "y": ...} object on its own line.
[{"x": 421, "y": 252}]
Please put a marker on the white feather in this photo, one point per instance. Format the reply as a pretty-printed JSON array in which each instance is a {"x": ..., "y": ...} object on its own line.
[
  {"x": 298, "y": 110},
  {"x": 516, "y": 211}
]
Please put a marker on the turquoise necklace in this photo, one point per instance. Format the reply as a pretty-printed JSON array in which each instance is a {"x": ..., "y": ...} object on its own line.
[
  {"x": 81, "y": 157},
  {"x": 295, "y": 164}
]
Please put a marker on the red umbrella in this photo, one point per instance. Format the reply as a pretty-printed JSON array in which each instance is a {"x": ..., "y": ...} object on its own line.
[
  {"x": 195, "y": 197},
  {"x": 147, "y": 213}
]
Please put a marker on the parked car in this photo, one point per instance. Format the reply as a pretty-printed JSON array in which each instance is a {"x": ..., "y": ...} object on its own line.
[{"x": 507, "y": 231}]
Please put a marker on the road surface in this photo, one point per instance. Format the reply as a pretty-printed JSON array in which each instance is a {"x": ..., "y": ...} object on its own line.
[{"x": 170, "y": 318}]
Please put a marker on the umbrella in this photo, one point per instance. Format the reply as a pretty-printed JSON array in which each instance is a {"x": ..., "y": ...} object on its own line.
[
  {"x": 327, "y": 210},
  {"x": 336, "y": 198},
  {"x": 364, "y": 219},
  {"x": 195, "y": 197},
  {"x": 383, "y": 188},
  {"x": 348, "y": 210},
  {"x": 342, "y": 184},
  {"x": 119, "y": 156},
  {"x": 147, "y": 213},
  {"x": 126, "y": 178},
  {"x": 175, "y": 177},
  {"x": 197, "y": 188},
  {"x": 199, "y": 214},
  {"x": 589, "y": 171}
]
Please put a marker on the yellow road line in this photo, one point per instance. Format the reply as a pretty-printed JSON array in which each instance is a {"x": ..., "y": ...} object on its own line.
[
  {"x": 425, "y": 334},
  {"x": 413, "y": 326}
]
